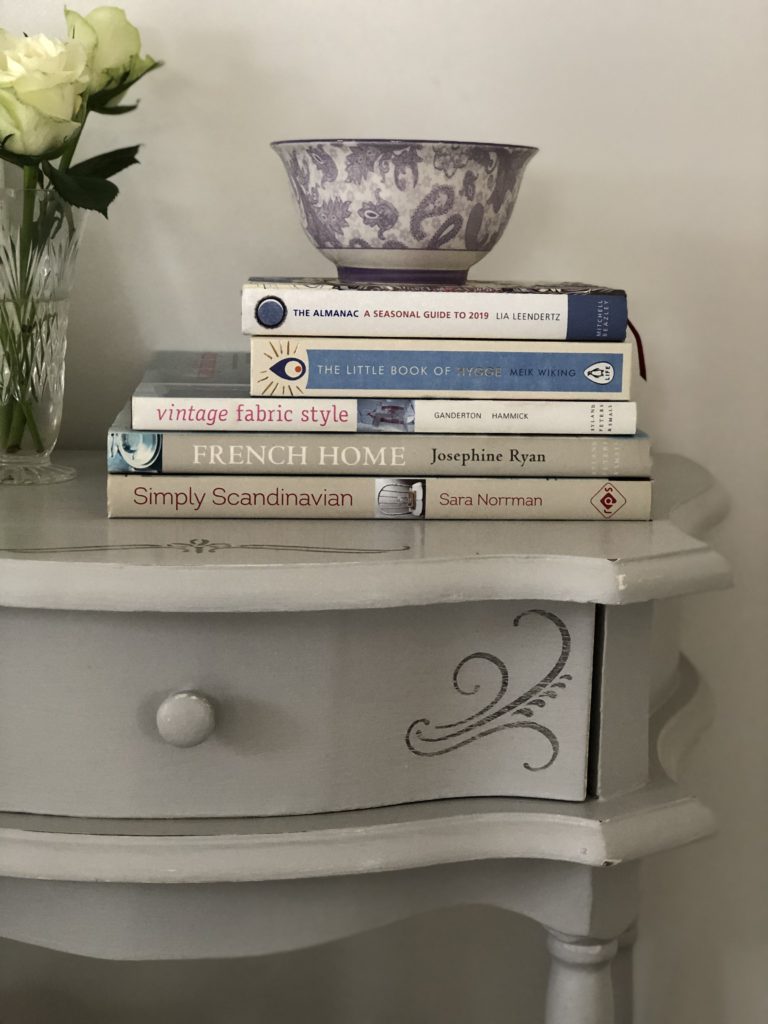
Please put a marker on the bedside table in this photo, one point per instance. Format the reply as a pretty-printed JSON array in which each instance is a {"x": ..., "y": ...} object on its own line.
[{"x": 352, "y": 721}]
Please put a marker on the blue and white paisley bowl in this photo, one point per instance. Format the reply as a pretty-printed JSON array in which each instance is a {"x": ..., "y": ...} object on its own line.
[{"x": 395, "y": 210}]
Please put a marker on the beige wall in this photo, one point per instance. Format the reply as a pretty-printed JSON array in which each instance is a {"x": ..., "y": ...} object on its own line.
[{"x": 653, "y": 174}]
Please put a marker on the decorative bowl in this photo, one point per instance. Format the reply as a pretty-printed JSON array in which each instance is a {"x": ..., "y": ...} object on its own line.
[{"x": 397, "y": 210}]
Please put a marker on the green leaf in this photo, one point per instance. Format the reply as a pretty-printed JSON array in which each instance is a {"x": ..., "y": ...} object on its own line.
[
  {"x": 106, "y": 164},
  {"x": 99, "y": 101},
  {"x": 126, "y": 108},
  {"x": 82, "y": 190}
]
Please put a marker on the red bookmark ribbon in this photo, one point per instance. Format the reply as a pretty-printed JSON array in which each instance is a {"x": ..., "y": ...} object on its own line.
[{"x": 640, "y": 352}]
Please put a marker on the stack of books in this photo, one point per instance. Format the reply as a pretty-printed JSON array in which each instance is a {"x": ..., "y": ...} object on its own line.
[{"x": 482, "y": 401}]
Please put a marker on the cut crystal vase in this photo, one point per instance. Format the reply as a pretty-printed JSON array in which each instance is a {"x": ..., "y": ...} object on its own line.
[{"x": 39, "y": 238}]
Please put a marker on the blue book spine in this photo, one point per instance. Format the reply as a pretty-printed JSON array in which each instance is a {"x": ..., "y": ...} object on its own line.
[
  {"x": 596, "y": 317},
  {"x": 325, "y": 367}
]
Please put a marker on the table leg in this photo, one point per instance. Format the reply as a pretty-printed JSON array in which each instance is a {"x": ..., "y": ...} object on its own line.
[
  {"x": 580, "y": 987},
  {"x": 623, "y": 977}
]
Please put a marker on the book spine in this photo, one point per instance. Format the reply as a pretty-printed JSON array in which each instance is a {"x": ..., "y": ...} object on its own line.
[
  {"x": 158, "y": 412},
  {"x": 303, "y": 311},
  {"x": 357, "y": 497},
  {"x": 408, "y": 454},
  {"x": 382, "y": 415},
  {"x": 439, "y": 369},
  {"x": 500, "y": 416}
]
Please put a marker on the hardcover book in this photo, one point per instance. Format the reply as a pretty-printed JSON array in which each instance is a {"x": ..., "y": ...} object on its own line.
[
  {"x": 137, "y": 451},
  {"x": 339, "y": 368},
  {"x": 210, "y": 391},
  {"x": 477, "y": 309},
  {"x": 380, "y": 497}
]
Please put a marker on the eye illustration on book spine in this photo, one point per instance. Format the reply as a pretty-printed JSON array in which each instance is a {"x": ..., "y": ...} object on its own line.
[{"x": 427, "y": 740}]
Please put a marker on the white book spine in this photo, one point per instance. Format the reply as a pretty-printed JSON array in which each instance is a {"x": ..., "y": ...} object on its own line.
[
  {"x": 158, "y": 412},
  {"x": 384, "y": 415},
  {"x": 358, "y": 497},
  {"x": 320, "y": 308},
  {"x": 371, "y": 455},
  {"x": 502, "y": 416}
]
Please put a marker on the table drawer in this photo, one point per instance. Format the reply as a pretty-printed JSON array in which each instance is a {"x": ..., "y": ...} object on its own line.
[{"x": 292, "y": 712}]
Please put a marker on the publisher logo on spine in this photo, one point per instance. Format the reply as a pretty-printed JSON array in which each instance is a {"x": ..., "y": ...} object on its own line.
[
  {"x": 600, "y": 373},
  {"x": 270, "y": 312},
  {"x": 608, "y": 500}
]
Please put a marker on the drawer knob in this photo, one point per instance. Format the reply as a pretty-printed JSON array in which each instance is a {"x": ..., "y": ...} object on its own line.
[{"x": 185, "y": 719}]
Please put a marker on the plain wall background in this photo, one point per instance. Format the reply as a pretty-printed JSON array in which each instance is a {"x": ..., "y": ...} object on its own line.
[{"x": 653, "y": 172}]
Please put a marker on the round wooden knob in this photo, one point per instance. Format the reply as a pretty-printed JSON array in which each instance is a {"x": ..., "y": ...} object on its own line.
[{"x": 185, "y": 719}]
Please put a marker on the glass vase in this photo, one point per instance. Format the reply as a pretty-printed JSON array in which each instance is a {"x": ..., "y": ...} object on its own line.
[{"x": 39, "y": 238}]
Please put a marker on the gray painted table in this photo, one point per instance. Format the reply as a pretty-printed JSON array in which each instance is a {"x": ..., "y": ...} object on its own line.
[{"x": 352, "y": 721}]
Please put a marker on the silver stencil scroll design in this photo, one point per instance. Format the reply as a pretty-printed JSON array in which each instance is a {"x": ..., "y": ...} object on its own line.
[
  {"x": 427, "y": 740},
  {"x": 202, "y": 546}
]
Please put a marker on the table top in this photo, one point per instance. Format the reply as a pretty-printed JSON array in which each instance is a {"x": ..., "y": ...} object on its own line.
[{"x": 59, "y": 550}]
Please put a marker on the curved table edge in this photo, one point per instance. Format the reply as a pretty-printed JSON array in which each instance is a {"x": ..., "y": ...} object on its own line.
[{"x": 604, "y": 833}]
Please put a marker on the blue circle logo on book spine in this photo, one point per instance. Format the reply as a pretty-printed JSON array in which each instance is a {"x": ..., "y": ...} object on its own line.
[{"x": 290, "y": 368}]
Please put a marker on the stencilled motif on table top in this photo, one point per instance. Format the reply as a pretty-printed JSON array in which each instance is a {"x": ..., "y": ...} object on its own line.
[
  {"x": 412, "y": 185},
  {"x": 500, "y": 713},
  {"x": 203, "y": 546}
]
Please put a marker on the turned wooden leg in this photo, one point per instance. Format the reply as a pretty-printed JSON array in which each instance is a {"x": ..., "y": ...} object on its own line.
[
  {"x": 623, "y": 980},
  {"x": 580, "y": 987}
]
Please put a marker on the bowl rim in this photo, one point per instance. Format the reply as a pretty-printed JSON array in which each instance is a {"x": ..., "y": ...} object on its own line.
[{"x": 406, "y": 142}]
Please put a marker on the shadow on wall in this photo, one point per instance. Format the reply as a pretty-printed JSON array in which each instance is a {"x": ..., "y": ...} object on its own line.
[
  {"x": 105, "y": 349},
  {"x": 210, "y": 203},
  {"x": 447, "y": 967},
  {"x": 198, "y": 215}
]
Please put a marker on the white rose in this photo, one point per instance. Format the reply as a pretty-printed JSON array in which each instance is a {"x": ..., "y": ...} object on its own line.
[
  {"x": 41, "y": 83},
  {"x": 113, "y": 45}
]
